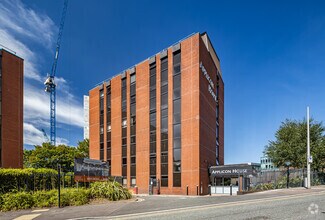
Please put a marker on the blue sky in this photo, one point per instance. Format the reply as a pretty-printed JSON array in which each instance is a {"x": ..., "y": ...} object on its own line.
[{"x": 272, "y": 58}]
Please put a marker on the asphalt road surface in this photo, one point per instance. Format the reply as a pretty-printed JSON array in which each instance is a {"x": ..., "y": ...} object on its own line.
[{"x": 279, "y": 204}]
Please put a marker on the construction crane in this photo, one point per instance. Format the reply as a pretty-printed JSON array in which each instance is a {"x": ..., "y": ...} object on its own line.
[
  {"x": 49, "y": 83},
  {"x": 46, "y": 138}
]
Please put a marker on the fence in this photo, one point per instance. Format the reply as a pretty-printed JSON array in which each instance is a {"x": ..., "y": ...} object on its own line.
[
  {"x": 280, "y": 179},
  {"x": 35, "y": 182}
]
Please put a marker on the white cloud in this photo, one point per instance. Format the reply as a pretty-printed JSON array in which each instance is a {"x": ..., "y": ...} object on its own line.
[
  {"x": 30, "y": 60},
  {"x": 62, "y": 141},
  {"x": 36, "y": 103},
  {"x": 34, "y": 136},
  {"x": 19, "y": 19},
  {"x": 21, "y": 28}
]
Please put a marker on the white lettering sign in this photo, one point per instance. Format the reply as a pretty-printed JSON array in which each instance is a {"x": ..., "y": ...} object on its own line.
[
  {"x": 211, "y": 84},
  {"x": 230, "y": 171}
]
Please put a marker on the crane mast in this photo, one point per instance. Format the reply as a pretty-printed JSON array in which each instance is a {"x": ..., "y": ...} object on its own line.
[{"x": 49, "y": 83}]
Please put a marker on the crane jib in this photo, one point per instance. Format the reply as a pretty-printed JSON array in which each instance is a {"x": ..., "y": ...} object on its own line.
[{"x": 50, "y": 85}]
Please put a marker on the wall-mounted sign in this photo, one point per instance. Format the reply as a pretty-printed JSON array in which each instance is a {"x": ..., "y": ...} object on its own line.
[
  {"x": 87, "y": 170},
  {"x": 233, "y": 171},
  {"x": 211, "y": 84}
]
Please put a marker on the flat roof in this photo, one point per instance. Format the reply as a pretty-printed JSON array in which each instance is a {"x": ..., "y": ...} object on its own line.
[
  {"x": 3, "y": 48},
  {"x": 207, "y": 44}
]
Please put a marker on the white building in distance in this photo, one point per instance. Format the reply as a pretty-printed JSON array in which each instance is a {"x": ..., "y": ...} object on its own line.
[{"x": 86, "y": 116}]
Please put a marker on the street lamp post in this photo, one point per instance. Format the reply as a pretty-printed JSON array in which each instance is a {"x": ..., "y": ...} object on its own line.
[
  {"x": 288, "y": 174},
  {"x": 59, "y": 185},
  {"x": 308, "y": 151}
]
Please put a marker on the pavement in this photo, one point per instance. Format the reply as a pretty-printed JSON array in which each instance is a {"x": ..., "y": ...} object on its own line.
[{"x": 294, "y": 203}]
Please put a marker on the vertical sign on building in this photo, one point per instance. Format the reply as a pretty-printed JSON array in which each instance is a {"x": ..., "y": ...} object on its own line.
[{"x": 217, "y": 121}]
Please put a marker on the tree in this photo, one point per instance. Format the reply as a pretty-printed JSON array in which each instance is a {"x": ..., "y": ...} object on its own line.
[
  {"x": 49, "y": 156},
  {"x": 83, "y": 149},
  {"x": 26, "y": 155},
  {"x": 291, "y": 144}
]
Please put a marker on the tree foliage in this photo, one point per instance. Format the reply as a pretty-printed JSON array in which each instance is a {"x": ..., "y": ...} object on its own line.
[
  {"x": 49, "y": 156},
  {"x": 291, "y": 144},
  {"x": 83, "y": 149}
]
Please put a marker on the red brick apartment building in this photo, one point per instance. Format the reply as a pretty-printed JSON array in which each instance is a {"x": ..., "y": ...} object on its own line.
[
  {"x": 11, "y": 110},
  {"x": 163, "y": 119}
]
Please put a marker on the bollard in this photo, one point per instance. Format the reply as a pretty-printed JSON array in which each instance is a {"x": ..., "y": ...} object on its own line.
[
  {"x": 187, "y": 190},
  {"x": 197, "y": 190},
  {"x": 231, "y": 189},
  {"x": 210, "y": 189}
]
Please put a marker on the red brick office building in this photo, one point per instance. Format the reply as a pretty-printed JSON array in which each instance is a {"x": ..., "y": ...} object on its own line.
[
  {"x": 11, "y": 110},
  {"x": 162, "y": 119}
]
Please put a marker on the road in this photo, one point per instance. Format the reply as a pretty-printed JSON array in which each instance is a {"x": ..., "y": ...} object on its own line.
[{"x": 279, "y": 204}]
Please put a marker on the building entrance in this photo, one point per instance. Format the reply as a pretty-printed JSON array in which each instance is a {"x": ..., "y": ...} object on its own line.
[{"x": 230, "y": 179}]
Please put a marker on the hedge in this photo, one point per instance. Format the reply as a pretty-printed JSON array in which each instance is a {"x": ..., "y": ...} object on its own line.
[
  {"x": 40, "y": 199},
  {"x": 69, "y": 196},
  {"x": 27, "y": 179}
]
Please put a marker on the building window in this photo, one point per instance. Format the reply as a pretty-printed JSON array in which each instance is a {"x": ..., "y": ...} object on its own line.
[
  {"x": 124, "y": 127},
  {"x": 133, "y": 128},
  {"x": 152, "y": 117},
  {"x": 101, "y": 124},
  {"x": 125, "y": 181},
  {"x": 177, "y": 146},
  {"x": 133, "y": 181},
  {"x": 108, "y": 128},
  {"x": 164, "y": 121}
]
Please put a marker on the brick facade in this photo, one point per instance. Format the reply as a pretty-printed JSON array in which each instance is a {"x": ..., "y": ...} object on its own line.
[
  {"x": 198, "y": 118},
  {"x": 12, "y": 84}
]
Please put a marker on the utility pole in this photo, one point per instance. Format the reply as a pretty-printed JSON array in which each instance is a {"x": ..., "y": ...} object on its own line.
[{"x": 308, "y": 150}]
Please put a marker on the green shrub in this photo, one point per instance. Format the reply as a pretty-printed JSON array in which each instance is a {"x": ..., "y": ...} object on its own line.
[
  {"x": 110, "y": 190},
  {"x": 40, "y": 199},
  {"x": 316, "y": 182},
  {"x": 263, "y": 187},
  {"x": 293, "y": 182},
  {"x": 74, "y": 196},
  {"x": 45, "y": 198},
  {"x": 27, "y": 179},
  {"x": 70, "y": 196},
  {"x": 68, "y": 179},
  {"x": 15, "y": 201}
]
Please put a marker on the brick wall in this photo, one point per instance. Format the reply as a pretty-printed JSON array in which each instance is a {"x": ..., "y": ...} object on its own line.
[
  {"x": 12, "y": 110},
  {"x": 198, "y": 121}
]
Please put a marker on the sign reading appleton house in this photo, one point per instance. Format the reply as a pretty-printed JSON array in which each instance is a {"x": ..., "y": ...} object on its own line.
[
  {"x": 229, "y": 171},
  {"x": 211, "y": 84},
  {"x": 220, "y": 171}
]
